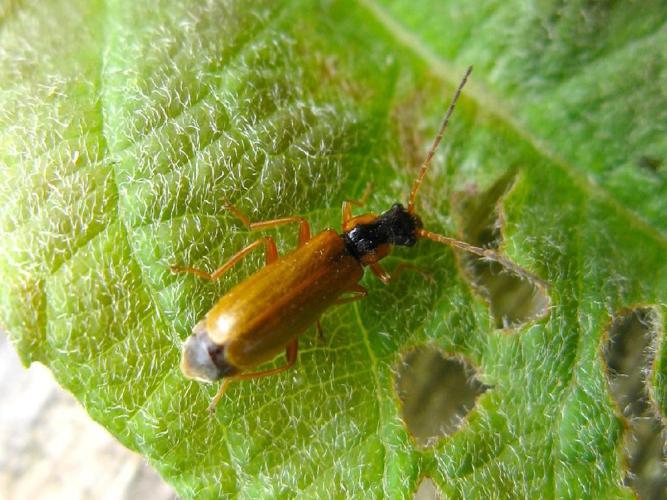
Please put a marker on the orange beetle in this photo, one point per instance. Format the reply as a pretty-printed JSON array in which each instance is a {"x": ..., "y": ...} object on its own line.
[{"x": 265, "y": 314}]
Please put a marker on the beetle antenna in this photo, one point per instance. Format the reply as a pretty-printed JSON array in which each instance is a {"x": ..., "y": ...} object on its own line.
[
  {"x": 484, "y": 253},
  {"x": 436, "y": 143}
]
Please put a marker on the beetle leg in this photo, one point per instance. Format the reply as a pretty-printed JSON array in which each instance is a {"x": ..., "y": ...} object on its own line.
[
  {"x": 304, "y": 226},
  {"x": 379, "y": 271},
  {"x": 404, "y": 265},
  {"x": 320, "y": 332},
  {"x": 291, "y": 353},
  {"x": 219, "y": 394},
  {"x": 358, "y": 291},
  {"x": 271, "y": 254},
  {"x": 386, "y": 278},
  {"x": 347, "y": 204}
]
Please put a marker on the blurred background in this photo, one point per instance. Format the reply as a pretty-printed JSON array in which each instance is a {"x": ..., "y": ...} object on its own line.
[{"x": 51, "y": 449}]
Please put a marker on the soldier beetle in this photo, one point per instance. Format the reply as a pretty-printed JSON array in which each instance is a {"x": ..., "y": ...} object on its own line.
[{"x": 266, "y": 313}]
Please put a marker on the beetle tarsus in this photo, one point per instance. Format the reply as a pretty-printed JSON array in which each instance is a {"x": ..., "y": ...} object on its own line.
[{"x": 219, "y": 394}]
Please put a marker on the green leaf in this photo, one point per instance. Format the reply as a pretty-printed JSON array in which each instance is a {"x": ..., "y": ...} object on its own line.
[{"x": 124, "y": 126}]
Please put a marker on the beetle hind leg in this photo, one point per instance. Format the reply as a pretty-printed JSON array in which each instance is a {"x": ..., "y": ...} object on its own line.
[
  {"x": 219, "y": 394},
  {"x": 291, "y": 353}
]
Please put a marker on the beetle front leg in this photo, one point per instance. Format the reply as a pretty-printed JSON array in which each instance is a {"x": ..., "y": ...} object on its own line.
[
  {"x": 380, "y": 272},
  {"x": 347, "y": 204},
  {"x": 386, "y": 278}
]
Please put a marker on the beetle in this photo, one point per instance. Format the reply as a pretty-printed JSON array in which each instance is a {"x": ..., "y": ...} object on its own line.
[{"x": 266, "y": 313}]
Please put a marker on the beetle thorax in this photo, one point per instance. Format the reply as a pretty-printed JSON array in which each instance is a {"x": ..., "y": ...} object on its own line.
[{"x": 369, "y": 239}]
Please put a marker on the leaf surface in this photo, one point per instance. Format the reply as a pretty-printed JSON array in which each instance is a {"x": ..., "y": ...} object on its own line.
[{"x": 126, "y": 125}]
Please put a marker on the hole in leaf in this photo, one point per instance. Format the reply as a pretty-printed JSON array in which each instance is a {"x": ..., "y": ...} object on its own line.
[
  {"x": 436, "y": 393},
  {"x": 629, "y": 353},
  {"x": 650, "y": 163},
  {"x": 514, "y": 297},
  {"x": 427, "y": 490}
]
